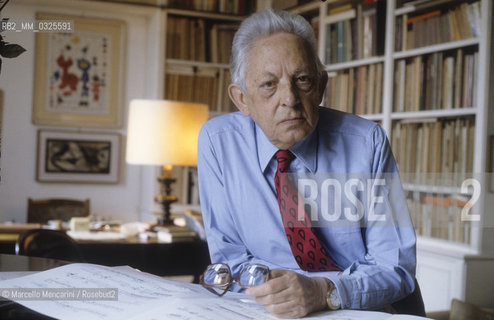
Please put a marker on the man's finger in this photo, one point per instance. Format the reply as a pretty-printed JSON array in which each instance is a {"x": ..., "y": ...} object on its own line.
[
  {"x": 272, "y": 286},
  {"x": 275, "y": 298},
  {"x": 275, "y": 284},
  {"x": 276, "y": 273}
]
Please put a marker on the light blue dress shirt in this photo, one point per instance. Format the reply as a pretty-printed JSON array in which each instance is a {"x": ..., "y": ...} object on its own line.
[{"x": 242, "y": 219}]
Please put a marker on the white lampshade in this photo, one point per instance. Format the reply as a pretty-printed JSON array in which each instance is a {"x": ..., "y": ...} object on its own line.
[{"x": 164, "y": 132}]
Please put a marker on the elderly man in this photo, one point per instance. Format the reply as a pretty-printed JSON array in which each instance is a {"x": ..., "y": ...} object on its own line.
[{"x": 277, "y": 84}]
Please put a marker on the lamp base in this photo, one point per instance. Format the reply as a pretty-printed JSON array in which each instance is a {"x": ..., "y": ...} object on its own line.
[
  {"x": 165, "y": 201},
  {"x": 165, "y": 198}
]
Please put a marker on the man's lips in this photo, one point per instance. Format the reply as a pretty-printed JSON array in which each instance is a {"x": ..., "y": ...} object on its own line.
[{"x": 292, "y": 120}]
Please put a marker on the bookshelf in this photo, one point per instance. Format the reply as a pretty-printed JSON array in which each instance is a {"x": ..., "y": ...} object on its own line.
[
  {"x": 195, "y": 54},
  {"x": 432, "y": 98}
]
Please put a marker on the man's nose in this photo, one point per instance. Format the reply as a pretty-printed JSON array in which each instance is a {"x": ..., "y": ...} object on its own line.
[{"x": 289, "y": 95}]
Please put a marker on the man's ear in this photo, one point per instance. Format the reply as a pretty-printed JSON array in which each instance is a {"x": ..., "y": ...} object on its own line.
[
  {"x": 238, "y": 98},
  {"x": 322, "y": 84}
]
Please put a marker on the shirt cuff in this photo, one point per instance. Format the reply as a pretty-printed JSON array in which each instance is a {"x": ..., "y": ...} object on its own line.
[{"x": 335, "y": 277}]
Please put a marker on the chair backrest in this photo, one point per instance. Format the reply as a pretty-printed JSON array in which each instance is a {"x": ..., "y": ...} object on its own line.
[
  {"x": 48, "y": 243},
  {"x": 413, "y": 304},
  {"x": 42, "y": 210}
]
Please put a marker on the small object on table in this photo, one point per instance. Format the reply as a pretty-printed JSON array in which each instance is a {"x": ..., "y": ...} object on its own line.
[
  {"x": 79, "y": 224},
  {"x": 175, "y": 233}
]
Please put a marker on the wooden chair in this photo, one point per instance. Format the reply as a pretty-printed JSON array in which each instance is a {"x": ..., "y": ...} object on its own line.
[
  {"x": 47, "y": 243},
  {"x": 42, "y": 210}
]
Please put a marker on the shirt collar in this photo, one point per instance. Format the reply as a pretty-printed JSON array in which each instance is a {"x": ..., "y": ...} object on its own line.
[{"x": 305, "y": 150}]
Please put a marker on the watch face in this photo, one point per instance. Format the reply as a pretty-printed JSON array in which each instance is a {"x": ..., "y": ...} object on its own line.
[{"x": 335, "y": 299}]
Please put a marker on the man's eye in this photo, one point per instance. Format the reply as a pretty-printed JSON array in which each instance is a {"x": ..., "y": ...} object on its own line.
[
  {"x": 304, "y": 82},
  {"x": 268, "y": 85}
]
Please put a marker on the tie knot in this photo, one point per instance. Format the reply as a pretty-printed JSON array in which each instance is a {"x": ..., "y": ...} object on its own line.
[{"x": 284, "y": 157}]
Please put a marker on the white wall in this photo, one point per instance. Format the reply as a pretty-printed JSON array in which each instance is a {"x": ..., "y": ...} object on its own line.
[{"x": 126, "y": 200}]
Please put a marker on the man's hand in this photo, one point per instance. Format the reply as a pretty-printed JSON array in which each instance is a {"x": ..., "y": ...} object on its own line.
[{"x": 288, "y": 294}]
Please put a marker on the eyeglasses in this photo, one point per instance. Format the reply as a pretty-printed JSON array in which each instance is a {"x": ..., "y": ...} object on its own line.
[{"x": 217, "y": 277}]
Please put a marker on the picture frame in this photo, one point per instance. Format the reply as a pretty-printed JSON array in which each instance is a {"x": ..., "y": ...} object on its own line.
[
  {"x": 491, "y": 163},
  {"x": 78, "y": 157},
  {"x": 1, "y": 132},
  {"x": 79, "y": 75}
]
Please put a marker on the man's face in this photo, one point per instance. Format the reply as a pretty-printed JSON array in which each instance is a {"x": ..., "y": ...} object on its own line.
[{"x": 283, "y": 90}]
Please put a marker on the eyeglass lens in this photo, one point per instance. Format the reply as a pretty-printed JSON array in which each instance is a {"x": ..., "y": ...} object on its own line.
[
  {"x": 218, "y": 278},
  {"x": 217, "y": 275},
  {"x": 253, "y": 275}
]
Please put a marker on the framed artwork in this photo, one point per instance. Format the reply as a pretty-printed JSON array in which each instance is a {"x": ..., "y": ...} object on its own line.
[
  {"x": 79, "y": 75},
  {"x": 69, "y": 156},
  {"x": 491, "y": 162},
  {"x": 1, "y": 120}
]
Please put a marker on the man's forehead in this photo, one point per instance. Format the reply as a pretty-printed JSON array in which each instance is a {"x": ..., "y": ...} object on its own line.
[
  {"x": 279, "y": 50},
  {"x": 275, "y": 71}
]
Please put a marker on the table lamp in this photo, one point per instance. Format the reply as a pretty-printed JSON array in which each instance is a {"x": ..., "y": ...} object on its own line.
[{"x": 165, "y": 133}]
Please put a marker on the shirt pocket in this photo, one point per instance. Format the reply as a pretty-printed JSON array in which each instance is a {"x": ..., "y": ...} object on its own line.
[{"x": 344, "y": 244}]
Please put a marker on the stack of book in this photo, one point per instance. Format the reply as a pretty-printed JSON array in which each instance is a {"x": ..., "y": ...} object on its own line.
[
  {"x": 199, "y": 84},
  {"x": 198, "y": 39},
  {"x": 437, "y": 26},
  {"x": 436, "y": 152},
  {"x": 356, "y": 90},
  {"x": 442, "y": 80},
  {"x": 354, "y": 32},
  {"x": 236, "y": 7},
  {"x": 173, "y": 233},
  {"x": 200, "y": 87},
  {"x": 439, "y": 216}
]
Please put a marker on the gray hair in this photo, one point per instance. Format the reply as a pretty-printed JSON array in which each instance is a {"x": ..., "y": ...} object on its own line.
[{"x": 265, "y": 23}]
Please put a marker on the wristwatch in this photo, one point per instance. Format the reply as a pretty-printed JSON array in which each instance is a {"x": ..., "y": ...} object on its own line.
[{"x": 332, "y": 297}]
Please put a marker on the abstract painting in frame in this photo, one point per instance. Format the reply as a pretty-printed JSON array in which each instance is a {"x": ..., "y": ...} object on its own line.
[
  {"x": 79, "y": 74},
  {"x": 67, "y": 156},
  {"x": 1, "y": 120}
]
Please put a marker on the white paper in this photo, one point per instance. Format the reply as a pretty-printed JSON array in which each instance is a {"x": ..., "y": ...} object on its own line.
[
  {"x": 146, "y": 297},
  {"x": 14, "y": 274},
  {"x": 96, "y": 235}
]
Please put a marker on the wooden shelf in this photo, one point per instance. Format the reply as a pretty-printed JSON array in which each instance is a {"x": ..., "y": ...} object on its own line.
[
  {"x": 372, "y": 117},
  {"x": 412, "y": 8},
  {"x": 311, "y": 6},
  {"x": 436, "y": 48},
  {"x": 204, "y": 15},
  {"x": 353, "y": 64},
  {"x": 428, "y": 114},
  {"x": 433, "y": 189},
  {"x": 191, "y": 63}
]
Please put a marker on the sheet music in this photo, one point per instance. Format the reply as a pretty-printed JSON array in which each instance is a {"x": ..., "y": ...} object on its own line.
[
  {"x": 14, "y": 274},
  {"x": 147, "y": 297}
]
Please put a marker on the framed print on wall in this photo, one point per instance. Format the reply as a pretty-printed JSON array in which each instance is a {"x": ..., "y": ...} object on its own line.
[
  {"x": 79, "y": 75},
  {"x": 1, "y": 119},
  {"x": 69, "y": 156},
  {"x": 491, "y": 162}
]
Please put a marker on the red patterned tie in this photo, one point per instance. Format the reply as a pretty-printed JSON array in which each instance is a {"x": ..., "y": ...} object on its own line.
[{"x": 306, "y": 248}]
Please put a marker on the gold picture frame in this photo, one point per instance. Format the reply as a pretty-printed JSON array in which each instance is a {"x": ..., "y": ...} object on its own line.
[
  {"x": 78, "y": 157},
  {"x": 79, "y": 75}
]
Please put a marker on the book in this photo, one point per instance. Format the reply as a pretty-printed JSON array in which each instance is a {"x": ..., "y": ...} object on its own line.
[
  {"x": 193, "y": 221},
  {"x": 169, "y": 234},
  {"x": 340, "y": 16}
]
